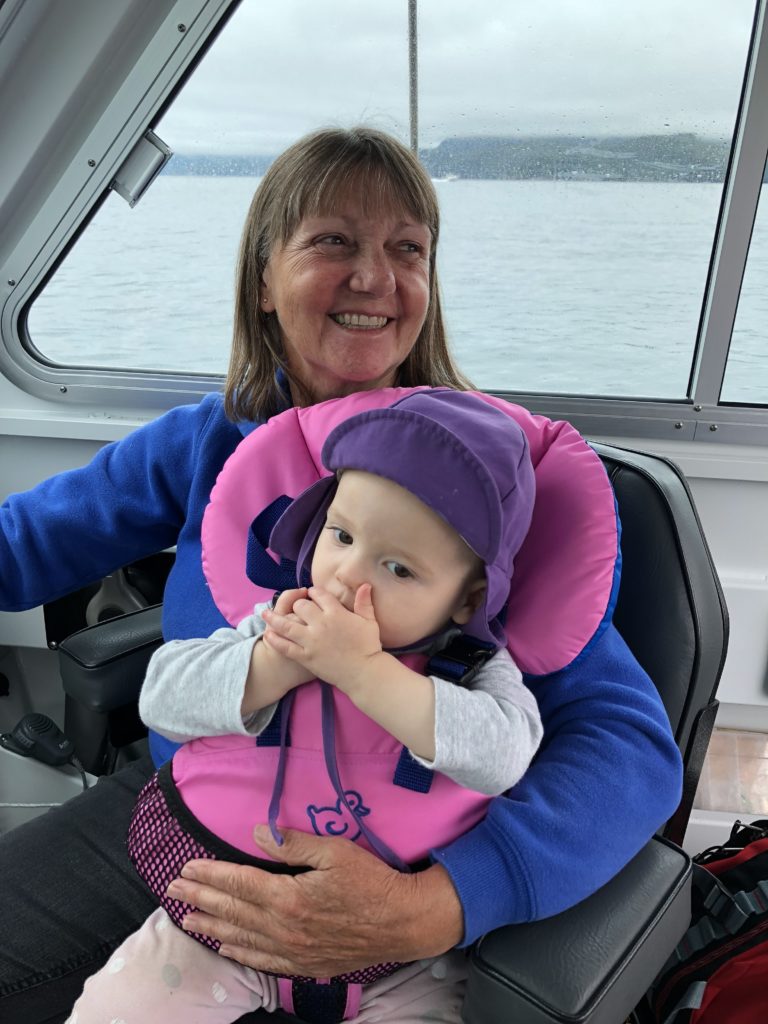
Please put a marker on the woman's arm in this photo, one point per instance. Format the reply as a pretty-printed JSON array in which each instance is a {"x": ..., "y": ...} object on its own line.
[
  {"x": 607, "y": 776},
  {"x": 129, "y": 501}
]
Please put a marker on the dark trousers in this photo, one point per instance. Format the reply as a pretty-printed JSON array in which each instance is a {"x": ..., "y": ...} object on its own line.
[{"x": 68, "y": 897}]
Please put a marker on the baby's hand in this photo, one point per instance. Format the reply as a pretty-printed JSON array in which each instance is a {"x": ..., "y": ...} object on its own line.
[
  {"x": 325, "y": 637},
  {"x": 287, "y": 598},
  {"x": 270, "y": 671},
  {"x": 284, "y": 607}
]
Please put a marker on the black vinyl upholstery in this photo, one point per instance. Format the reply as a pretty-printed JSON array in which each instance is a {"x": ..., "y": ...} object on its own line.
[
  {"x": 591, "y": 964},
  {"x": 671, "y": 610}
]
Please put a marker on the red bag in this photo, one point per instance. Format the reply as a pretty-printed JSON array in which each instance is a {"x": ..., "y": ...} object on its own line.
[{"x": 718, "y": 974}]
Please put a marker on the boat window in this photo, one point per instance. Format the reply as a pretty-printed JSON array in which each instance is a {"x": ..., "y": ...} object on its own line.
[
  {"x": 578, "y": 150},
  {"x": 746, "y": 374}
]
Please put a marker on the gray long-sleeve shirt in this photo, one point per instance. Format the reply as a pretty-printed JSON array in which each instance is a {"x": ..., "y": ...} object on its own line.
[{"x": 485, "y": 735}]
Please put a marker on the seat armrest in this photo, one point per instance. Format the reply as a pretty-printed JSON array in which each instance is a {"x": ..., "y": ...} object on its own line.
[
  {"x": 591, "y": 964},
  {"x": 103, "y": 666}
]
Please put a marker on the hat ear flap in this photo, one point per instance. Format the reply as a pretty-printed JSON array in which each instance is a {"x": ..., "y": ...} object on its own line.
[{"x": 295, "y": 533}]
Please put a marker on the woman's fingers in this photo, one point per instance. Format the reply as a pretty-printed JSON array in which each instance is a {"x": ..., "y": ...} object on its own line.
[{"x": 258, "y": 961}]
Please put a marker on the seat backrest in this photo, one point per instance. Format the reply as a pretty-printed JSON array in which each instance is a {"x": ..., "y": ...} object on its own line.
[{"x": 671, "y": 610}]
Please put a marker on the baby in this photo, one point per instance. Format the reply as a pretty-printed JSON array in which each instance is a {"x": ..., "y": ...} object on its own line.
[{"x": 408, "y": 545}]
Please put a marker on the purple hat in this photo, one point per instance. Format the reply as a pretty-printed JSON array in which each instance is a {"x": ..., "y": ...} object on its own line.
[{"x": 461, "y": 456}]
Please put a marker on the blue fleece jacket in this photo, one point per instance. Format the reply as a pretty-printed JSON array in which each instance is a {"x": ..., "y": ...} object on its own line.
[{"x": 608, "y": 773}]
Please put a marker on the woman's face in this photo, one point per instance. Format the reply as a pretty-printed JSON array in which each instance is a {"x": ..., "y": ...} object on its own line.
[{"x": 350, "y": 291}]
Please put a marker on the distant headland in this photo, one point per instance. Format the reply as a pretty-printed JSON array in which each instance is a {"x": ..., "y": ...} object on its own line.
[{"x": 684, "y": 156}]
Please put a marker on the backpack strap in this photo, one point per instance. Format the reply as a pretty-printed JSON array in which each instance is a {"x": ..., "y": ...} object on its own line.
[
  {"x": 725, "y": 926},
  {"x": 742, "y": 834},
  {"x": 690, "y": 1000}
]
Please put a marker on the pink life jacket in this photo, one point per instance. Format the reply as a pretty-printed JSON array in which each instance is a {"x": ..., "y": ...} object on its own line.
[{"x": 363, "y": 784}]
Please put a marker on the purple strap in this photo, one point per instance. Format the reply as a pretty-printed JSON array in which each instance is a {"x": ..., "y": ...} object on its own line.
[
  {"x": 277, "y": 789},
  {"x": 329, "y": 751}
]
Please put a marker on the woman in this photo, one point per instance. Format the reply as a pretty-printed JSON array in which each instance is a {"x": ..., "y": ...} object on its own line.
[{"x": 337, "y": 292}]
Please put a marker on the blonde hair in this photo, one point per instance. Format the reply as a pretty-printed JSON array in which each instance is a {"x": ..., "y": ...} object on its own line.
[{"x": 307, "y": 180}]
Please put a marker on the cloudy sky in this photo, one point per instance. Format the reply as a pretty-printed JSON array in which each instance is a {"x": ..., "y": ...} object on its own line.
[{"x": 283, "y": 67}]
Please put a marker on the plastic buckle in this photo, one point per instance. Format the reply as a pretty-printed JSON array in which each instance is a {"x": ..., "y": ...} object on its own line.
[{"x": 461, "y": 660}]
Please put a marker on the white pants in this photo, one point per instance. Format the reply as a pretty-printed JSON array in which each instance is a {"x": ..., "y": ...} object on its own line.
[{"x": 160, "y": 974}]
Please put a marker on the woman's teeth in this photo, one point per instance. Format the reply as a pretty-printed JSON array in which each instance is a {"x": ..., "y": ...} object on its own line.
[{"x": 359, "y": 320}]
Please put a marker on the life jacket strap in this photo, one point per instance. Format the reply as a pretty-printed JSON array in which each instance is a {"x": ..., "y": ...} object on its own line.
[
  {"x": 319, "y": 1002},
  {"x": 461, "y": 660},
  {"x": 271, "y": 734},
  {"x": 458, "y": 662},
  {"x": 260, "y": 567}
]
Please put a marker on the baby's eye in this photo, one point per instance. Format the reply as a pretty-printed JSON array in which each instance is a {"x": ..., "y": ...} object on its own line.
[
  {"x": 399, "y": 570},
  {"x": 341, "y": 536}
]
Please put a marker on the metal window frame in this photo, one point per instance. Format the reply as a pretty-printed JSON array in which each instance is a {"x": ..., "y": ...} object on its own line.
[{"x": 159, "y": 67}]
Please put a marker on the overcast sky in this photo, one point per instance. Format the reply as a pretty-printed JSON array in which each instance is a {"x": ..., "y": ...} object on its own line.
[{"x": 283, "y": 67}]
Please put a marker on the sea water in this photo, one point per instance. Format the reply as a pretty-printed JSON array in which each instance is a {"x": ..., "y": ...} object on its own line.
[{"x": 557, "y": 286}]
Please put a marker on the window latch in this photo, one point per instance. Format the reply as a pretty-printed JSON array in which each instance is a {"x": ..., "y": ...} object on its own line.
[{"x": 145, "y": 161}]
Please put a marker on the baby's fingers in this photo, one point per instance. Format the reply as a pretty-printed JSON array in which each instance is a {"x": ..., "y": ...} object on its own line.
[
  {"x": 286, "y": 600},
  {"x": 285, "y": 625},
  {"x": 282, "y": 644}
]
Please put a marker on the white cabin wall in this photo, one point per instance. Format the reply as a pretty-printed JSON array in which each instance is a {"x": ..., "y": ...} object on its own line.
[{"x": 730, "y": 488}]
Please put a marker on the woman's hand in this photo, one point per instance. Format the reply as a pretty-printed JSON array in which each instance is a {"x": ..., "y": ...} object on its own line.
[{"x": 348, "y": 911}]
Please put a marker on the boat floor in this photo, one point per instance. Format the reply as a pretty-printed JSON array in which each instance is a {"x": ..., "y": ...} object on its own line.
[{"x": 735, "y": 775}]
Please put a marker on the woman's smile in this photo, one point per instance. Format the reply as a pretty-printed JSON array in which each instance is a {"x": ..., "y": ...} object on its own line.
[{"x": 361, "y": 321}]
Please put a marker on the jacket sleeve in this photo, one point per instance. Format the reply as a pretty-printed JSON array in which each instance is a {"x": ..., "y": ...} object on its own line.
[
  {"x": 80, "y": 525},
  {"x": 195, "y": 687},
  {"x": 485, "y": 734},
  {"x": 607, "y": 775}
]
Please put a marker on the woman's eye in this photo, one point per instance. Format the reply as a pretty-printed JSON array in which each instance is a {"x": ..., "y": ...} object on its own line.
[
  {"x": 341, "y": 536},
  {"x": 409, "y": 247},
  {"x": 332, "y": 240},
  {"x": 399, "y": 570}
]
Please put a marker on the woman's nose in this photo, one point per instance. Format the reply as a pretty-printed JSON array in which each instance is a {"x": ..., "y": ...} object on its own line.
[{"x": 373, "y": 273}]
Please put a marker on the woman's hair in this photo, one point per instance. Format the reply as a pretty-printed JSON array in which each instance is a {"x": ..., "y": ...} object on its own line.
[{"x": 308, "y": 180}]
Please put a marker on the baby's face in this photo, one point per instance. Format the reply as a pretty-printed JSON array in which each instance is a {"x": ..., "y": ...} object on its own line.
[{"x": 421, "y": 571}]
